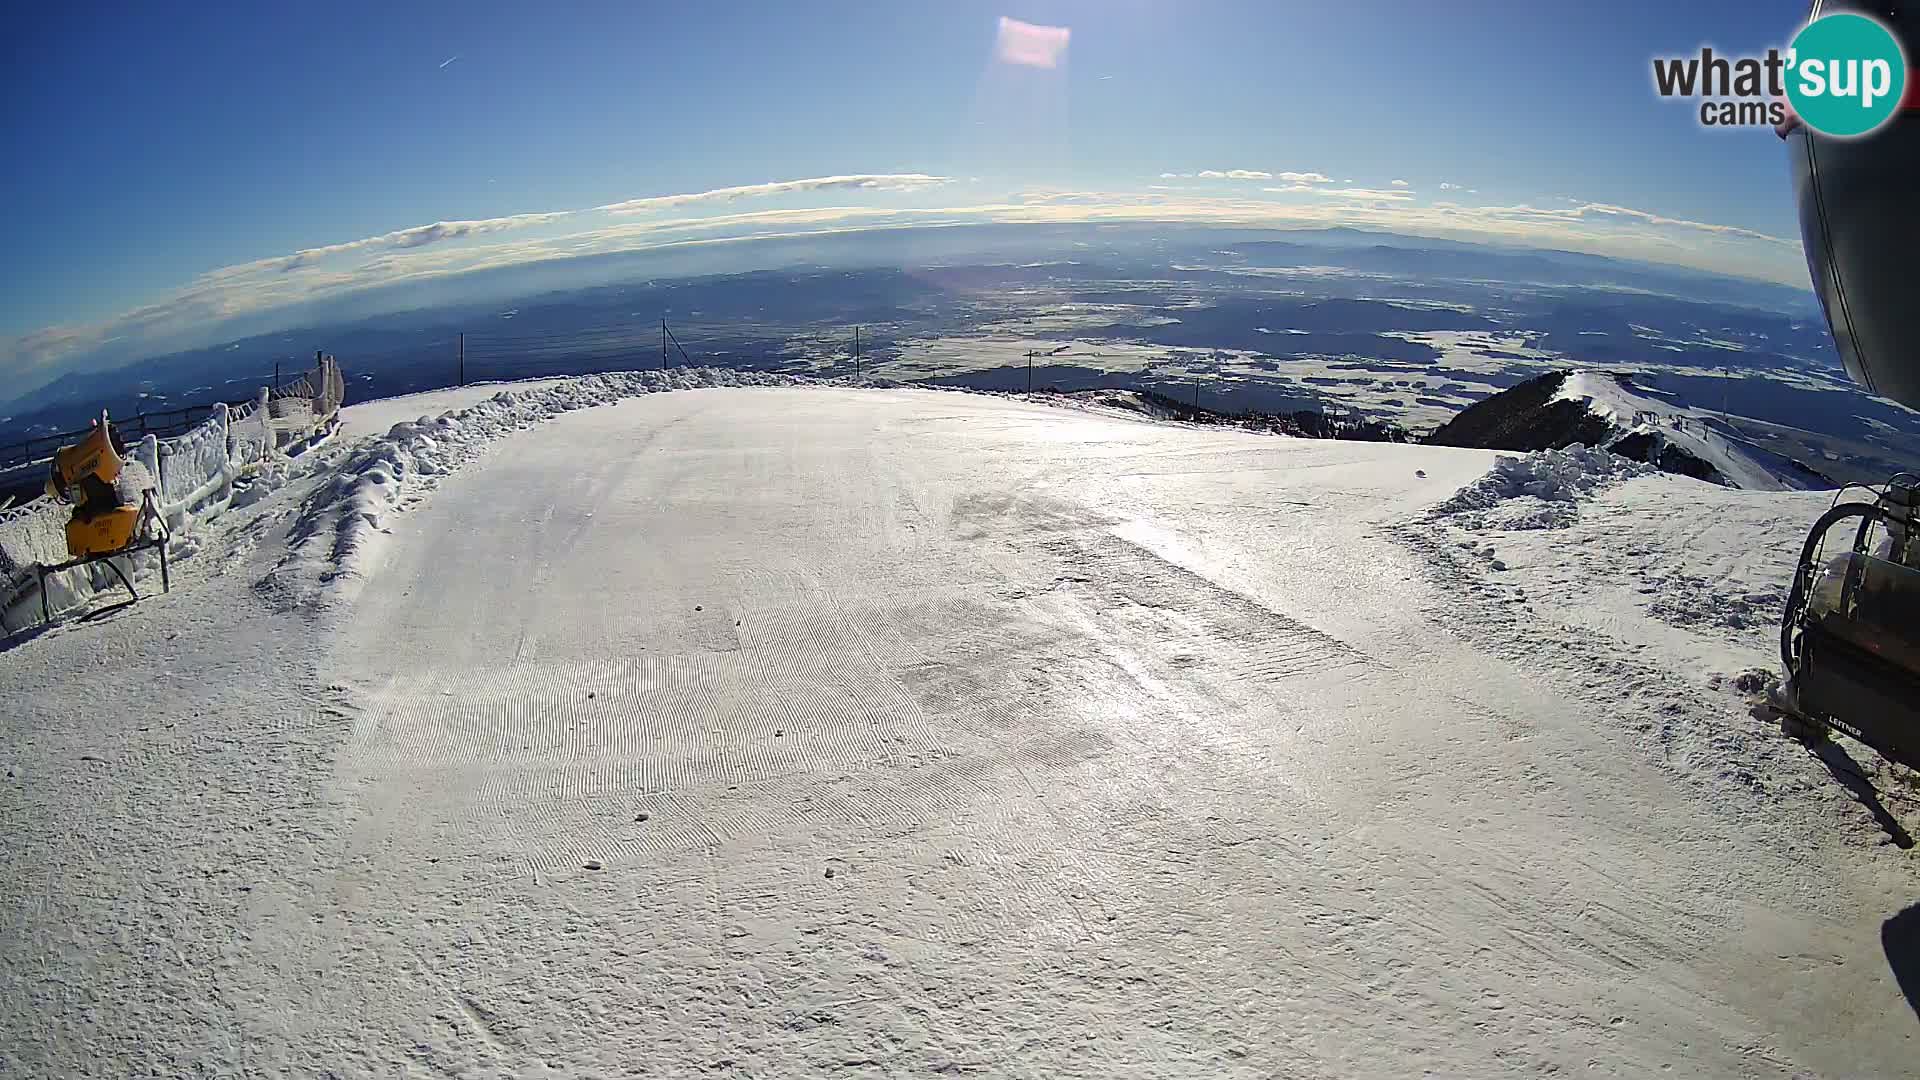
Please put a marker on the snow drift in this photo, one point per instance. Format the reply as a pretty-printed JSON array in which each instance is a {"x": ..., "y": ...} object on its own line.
[{"x": 1540, "y": 490}]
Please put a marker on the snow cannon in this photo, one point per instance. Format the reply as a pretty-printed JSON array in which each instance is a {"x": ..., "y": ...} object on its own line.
[
  {"x": 1851, "y": 638},
  {"x": 1859, "y": 207},
  {"x": 87, "y": 476},
  {"x": 113, "y": 509}
]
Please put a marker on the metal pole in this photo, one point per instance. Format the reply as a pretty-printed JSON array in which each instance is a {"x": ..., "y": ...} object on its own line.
[
  {"x": 1029, "y": 371},
  {"x": 685, "y": 360},
  {"x": 663, "y": 344},
  {"x": 463, "y": 358}
]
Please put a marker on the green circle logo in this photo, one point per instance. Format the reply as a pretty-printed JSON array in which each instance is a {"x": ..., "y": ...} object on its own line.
[{"x": 1846, "y": 74}]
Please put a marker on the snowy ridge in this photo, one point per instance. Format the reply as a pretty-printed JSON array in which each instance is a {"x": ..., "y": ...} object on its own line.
[
  {"x": 333, "y": 540},
  {"x": 1640, "y": 412},
  {"x": 1126, "y": 401}
]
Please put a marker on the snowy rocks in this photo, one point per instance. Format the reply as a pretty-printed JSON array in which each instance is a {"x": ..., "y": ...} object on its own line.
[{"x": 1751, "y": 682}]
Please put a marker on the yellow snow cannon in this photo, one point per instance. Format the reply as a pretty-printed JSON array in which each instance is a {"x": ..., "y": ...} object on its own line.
[
  {"x": 113, "y": 510},
  {"x": 87, "y": 475}
]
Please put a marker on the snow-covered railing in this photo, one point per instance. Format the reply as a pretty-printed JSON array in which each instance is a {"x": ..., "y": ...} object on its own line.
[
  {"x": 249, "y": 438},
  {"x": 33, "y": 533},
  {"x": 196, "y": 472},
  {"x": 307, "y": 406},
  {"x": 329, "y": 389},
  {"x": 292, "y": 416},
  {"x": 193, "y": 477}
]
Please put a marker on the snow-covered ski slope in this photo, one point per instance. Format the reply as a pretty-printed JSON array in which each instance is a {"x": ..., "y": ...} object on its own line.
[
  {"x": 1699, "y": 432},
  {"x": 807, "y": 731}
]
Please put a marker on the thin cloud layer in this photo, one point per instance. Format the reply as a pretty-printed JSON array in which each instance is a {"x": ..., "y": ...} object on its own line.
[
  {"x": 1591, "y": 211},
  {"x": 1367, "y": 194},
  {"x": 1250, "y": 174},
  {"x": 1357, "y": 194},
  {"x": 859, "y": 182},
  {"x": 418, "y": 236},
  {"x": 423, "y": 235}
]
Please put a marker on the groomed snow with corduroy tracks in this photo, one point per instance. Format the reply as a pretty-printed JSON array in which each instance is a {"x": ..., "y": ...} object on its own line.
[{"x": 768, "y": 729}]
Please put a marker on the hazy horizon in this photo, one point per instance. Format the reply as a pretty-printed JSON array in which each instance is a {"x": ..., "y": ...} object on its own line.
[{"x": 868, "y": 248}]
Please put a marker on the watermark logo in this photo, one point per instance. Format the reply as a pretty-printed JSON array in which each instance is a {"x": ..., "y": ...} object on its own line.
[
  {"x": 1844, "y": 75},
  {"x": 1848, "y": 75}
]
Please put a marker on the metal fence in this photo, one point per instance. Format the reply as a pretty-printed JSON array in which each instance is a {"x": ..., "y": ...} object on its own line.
[
  {"x": 132, "y": 429},
  {"x": 161, "y": 424}
]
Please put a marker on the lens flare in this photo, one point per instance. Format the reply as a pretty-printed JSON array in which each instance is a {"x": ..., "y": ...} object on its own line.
[{"x": 1028, "y": 45}]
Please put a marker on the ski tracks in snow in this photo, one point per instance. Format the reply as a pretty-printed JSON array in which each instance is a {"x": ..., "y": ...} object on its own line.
[
  {"x": 799, "y": 751},
  {"x": 984, "y": 740}
]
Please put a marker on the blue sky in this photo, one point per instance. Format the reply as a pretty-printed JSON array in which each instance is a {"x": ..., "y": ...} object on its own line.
[{"x": 168, "y": 160}]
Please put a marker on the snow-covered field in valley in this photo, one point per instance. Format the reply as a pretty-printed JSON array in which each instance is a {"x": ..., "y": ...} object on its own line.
[{"x": 788, "y": 730}]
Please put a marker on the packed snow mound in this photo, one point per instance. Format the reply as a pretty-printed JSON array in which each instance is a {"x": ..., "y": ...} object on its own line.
[
  {"x": 1540, "y": 490},
  {"x": 334, "y": 537}
]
